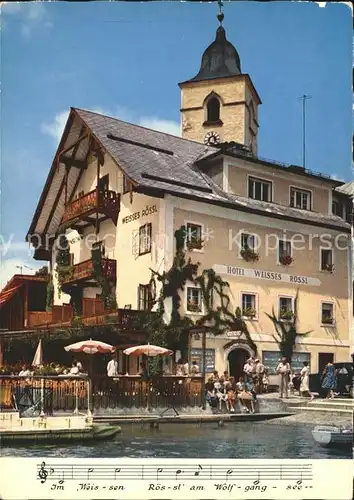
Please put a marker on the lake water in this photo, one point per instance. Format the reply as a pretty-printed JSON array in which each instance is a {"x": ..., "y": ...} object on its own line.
[{"x": 238, "y": 440}]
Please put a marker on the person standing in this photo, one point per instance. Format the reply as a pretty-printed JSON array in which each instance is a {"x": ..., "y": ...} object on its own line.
[
  {"x": 329, "y": 380},
  {"x": 304, "y": 384},
  {"x": 112, "y": 367},
  {"x": 248, "y": 369},
  {"x": 283, "y": 369},
  {"x": 260, "y": 369},
  {"x": 186, "y": 368}
]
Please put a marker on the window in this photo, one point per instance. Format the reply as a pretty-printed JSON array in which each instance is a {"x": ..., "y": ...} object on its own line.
[
  {"x": 259, "y": 189},
  {"x": 326, "y": 259},
  {"x": 337, "y": 208},
  {"x": 286, "y": 308},
  {"x": 194, "y": 236},
  {"x": 249, "y": 305},
  {"x": 247, "y": 241},
  {"x": 145, "y": 239},
  {"x": 194, "y": 300},
  {"x": 271, "y": 359},
  {"x": 299, "y": 198},
  {"x": 71, "y": 259},
  {"x": 144, "y": 298},
  {"x": 213, "y": 110},
  {"x": 327, "y": 313},
  {"x": 284, "y": 252}
]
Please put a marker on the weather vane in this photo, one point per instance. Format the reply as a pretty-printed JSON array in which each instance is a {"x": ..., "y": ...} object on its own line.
[{"x": 221, "y": 14}]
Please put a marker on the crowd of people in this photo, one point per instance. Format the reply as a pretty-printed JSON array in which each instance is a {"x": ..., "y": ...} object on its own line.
[{"x": 224, "y": 392}]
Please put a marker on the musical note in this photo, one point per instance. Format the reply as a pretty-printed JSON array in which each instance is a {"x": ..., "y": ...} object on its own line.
[
  {"x": 115, "y": 473},
  {"x": 228, "y": 473},
  {"x": 178, "y": 472},
  {"x": 43, "y": 473},
  {"x": 198, "y": 471},
  {"x": 88, "y": 473},
  {"x": 157, "y": 473}
]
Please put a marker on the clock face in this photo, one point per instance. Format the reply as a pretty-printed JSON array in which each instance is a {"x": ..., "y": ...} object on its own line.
[{"x": 211, "y": 138}]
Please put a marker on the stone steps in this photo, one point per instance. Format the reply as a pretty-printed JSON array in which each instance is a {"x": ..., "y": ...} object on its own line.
[
  {"x": 322, "y": 404},
  {"x": 322, "y": 409}
]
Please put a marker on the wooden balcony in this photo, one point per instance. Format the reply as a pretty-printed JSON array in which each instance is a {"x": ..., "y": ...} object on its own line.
[
  {"x": 84, "y": 271},
  {"x": 106, "y": 206}
]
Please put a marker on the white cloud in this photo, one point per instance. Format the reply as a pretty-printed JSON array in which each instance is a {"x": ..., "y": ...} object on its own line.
[
  {"x": 55, "y": 128},
  {"x": 31, "y": 15},
  {"x": 9, "y": 267},
  {"x": 167, "y": 126},
  {"x": 337, "y": 177}
]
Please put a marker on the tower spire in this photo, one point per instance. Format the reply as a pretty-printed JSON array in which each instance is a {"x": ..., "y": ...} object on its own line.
[{"x": 220, "y": 16}]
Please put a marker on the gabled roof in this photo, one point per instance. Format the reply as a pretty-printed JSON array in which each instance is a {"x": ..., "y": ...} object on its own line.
[
  {"x": 155, "y": 162},
  {"x": 16, "y": 282},
  {"x": 347, "y": 189}
]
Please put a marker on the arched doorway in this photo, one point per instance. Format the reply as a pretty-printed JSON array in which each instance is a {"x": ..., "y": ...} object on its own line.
[{"x": 237, "y": 359}]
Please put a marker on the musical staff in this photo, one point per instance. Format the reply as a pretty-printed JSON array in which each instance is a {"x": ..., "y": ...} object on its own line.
[{"x": 189, "y": 472}]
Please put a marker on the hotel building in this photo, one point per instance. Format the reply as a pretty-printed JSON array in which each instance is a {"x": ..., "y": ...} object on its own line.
[{"x": 280, "y": 235}]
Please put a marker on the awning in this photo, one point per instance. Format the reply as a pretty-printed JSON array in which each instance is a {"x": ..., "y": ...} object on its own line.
[{"x": 6, "y": 295}]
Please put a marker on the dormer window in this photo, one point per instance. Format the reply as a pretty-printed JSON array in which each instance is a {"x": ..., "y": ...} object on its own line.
[{"x": 213, "y": 109}]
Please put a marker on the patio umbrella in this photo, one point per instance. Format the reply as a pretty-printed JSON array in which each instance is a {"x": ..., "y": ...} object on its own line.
[
  {"x": 148, "y": 350},
  {"x": 38, "y": 357},
  {"x": 90, "y": 347}
]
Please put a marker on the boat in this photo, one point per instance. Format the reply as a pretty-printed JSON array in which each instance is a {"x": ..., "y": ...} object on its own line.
[
  {"x": 332, "y": 436},
  {"x": 15, "y": 429}
]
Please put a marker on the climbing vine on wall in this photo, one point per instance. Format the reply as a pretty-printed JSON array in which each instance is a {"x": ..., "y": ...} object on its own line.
[
  {"x": 63, "y": 268},
  {"x": 220, "y": 318},
  {"x": 49, "y": 295},
  {"x": 107, "y": 294},
  {"x": 286, "y": 331}
]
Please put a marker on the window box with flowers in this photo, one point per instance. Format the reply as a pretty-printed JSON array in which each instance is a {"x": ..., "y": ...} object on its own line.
[
  {"x": 328, "y": 321},
  {"x": 194, "y": 244},
  {"x": 328, "y": 267},
  {"x": 249, "y": 313},
  {"x": 193, "y": 307},
  {"x": 249, "y": 255},
  {"x": 286, "y": 315},
  {"x": 286, "y": 260}
]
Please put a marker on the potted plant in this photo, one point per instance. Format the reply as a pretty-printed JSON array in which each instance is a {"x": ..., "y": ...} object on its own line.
[
  {"x": 328, "y": 267},
  {"x": 249, "y": 255},
  {"x": 286, "y": 260},
  {"x": 249, "y": 312},
  {"x": 286, "y": 315},
  {"x": 193, "y": 307},
  {"x": 195, "y": 243},
  {"x": 328, "y": 320}
]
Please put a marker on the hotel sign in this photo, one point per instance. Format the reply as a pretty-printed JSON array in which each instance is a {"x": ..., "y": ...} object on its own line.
[{"x": 266, "y": 275}]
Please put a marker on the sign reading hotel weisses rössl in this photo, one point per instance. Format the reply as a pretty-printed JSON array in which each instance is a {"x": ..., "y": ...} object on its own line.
[
  {"x": 148, "y": 210},
  {"x": 266, "y": 275}
]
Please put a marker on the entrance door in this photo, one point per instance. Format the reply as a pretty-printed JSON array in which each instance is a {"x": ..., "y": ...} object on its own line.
[
  {"x": 237, "y": 358},
  {"x": 323, "y": 359}
]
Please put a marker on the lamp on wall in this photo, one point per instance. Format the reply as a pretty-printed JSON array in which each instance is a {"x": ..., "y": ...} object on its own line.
[{"x": 196, "y": 336}]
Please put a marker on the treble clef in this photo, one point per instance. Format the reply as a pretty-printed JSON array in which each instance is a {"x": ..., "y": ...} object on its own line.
[{"x": 43, "y": 473}]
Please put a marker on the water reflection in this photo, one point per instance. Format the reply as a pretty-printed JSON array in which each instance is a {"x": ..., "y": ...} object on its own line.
[{"x": 239, "y": 440}]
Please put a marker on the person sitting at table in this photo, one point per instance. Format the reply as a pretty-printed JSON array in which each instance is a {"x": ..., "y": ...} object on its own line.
[
  {"x": 143, "y": 372},
  {"x": 74, "y": 369},
  {"x": 186, "y": 368},
  {"x": 195, "y": 368},
  {"x": 25, "y": 372}
]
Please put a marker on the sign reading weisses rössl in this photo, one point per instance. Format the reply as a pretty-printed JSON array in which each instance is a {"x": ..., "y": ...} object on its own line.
[{"x": 266, "y": 275}]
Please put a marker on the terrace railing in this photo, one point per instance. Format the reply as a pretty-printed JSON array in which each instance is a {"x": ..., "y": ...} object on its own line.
[
  {"x": 108, "y": 203},
  {"x": 85, "y": 270},
  {"x": 57, "y": 394}
]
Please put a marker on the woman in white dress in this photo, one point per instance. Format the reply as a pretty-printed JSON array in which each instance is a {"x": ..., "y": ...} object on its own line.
[{"x": 304, "y": 385}]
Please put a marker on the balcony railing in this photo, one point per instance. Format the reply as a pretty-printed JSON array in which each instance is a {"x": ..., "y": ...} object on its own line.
[
  {"x": 85, "y": 271},
  {"x": 108, "y": 203}
]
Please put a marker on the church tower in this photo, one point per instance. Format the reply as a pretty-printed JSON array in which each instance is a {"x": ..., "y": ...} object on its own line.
[{"x": 220, "y": 104}]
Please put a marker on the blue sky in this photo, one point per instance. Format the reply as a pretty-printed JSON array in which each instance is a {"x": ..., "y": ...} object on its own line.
[{"x": 125, "y": 59}]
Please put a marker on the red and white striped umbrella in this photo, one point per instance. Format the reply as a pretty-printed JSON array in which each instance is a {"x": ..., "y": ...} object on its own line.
[
  {"x": 90, "y": 347},
  {"x": 148, "y": 350}
]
